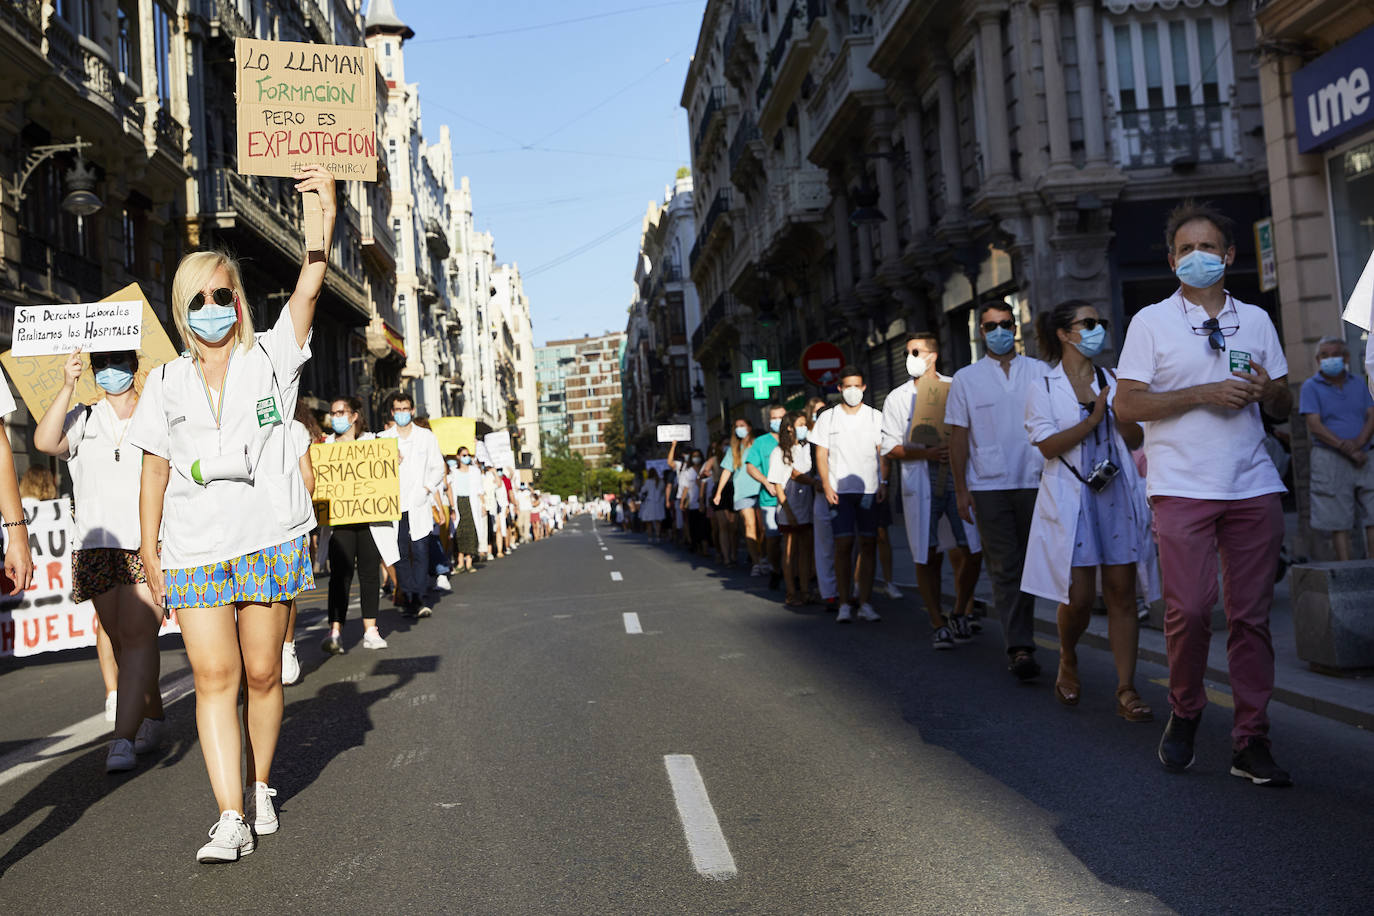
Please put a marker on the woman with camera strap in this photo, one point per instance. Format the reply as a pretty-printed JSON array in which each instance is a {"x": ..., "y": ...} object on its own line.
[{"x": 1090, "y": 512}]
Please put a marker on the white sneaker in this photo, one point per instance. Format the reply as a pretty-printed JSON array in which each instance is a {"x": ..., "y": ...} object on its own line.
[
  {"x": 258, "y": 809},
  {"x": 290, "y": 664},
  {"x": 111, "y": 701},
  {"x": 893, "y": 591},
  {"x": 230, "y": 840},
  {"x": 755, "y": 570},
  {"x": 372, "y": 639},
  {"x": 121, "y": 758},
  {"x": 149, "y": 737},
  {"x": 846, "y": 614},
  {"x": 442, "y": 584},
  {"x": 866, "y": 612},
  {"x": 425, "y": 611}
]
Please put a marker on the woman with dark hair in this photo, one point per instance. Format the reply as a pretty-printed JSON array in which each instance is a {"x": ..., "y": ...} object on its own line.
[
  {"x": 789, "y": 468},
  {"x": 1090, "y": 513},
  {"x": 465, "y": 495}
]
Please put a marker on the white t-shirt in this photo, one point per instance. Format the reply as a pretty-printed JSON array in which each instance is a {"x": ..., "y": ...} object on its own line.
[
  {"x": 105, "y": 491},
  {"x": 227, "y": 519},
  {"x": 852, "y": 441},
  {"x": 991, "y": 405},
  {"x": 1206, "y": 452},
  {"x": 301, "y": 437},
  {"x": 7, "y": 405},
  {"x": 688, "y": 482}
]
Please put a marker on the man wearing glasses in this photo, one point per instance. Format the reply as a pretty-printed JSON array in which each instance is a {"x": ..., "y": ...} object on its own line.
[
  {"x": 997, "y": 472},
  {"x": 1197, "y": 368}
]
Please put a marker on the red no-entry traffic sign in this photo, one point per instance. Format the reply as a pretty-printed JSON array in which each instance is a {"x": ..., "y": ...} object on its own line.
[{"x": 821, "y": 363}]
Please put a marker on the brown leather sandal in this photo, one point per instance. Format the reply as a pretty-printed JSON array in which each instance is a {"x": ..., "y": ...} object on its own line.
[
  {"x": 1066, "y": 685},
  {"x": 1131, "y": 707}
]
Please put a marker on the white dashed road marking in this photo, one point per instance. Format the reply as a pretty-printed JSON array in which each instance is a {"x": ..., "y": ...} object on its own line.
[
  {"x": 609, "y": 557},
  {"x": 617, "y": 577},
  {"x": 710, "y": 853},
  {"x": 632, "y": 624}
]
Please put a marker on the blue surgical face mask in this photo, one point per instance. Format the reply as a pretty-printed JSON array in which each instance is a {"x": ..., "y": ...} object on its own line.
[
  {"x": 114, "y": 379},
  {"x": 1000, "y": 341},
  {"x": 1200, "y": 269},
  {"x": 341, "y": 425},
  {"x": 775, "y": 425},
  {"x": 466, "y": 459},
  {"x": 402, "y": 417},
  {"x": 453, "y": 464},
  {"x": 802, "y": 433},
  {"x": 1332, "y": 366},
  {"x": 212, "y": 323},
  {"x": 1090, "y": 342},
  {"x": 741, "y": 432}
]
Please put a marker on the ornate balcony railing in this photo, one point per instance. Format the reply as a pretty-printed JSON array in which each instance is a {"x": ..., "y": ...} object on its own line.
[
  {"x": 1162, "y": 137},
  {"x": 715, "y": 102},
  {"x": 316, "y": 21},
  {"x": 225, "y": 192},
  {"x": 739, "y": 144},
  {"x": 25, "y": 17},
  {"x": 230, "y": 21},
  {"x": 169, "y": 131}
]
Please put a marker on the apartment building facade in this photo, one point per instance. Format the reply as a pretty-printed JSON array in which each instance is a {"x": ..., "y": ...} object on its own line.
[{"x": 591, "y": 386}]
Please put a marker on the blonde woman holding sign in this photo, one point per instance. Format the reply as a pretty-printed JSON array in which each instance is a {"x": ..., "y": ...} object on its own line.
[
  {"x": 222, "y": 481},
  {"x": 106, "y": 568}
]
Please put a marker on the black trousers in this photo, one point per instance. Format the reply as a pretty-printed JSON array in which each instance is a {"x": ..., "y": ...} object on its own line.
[{"x": 351, "y": 547}]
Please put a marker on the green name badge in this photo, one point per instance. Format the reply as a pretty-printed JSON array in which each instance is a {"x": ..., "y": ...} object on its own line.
[
  {"x": 268, "y": 414},
  {"x": 1240, "y": 361}
]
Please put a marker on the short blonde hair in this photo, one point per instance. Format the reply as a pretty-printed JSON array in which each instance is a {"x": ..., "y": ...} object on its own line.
[{"x": 194, "y": 271}]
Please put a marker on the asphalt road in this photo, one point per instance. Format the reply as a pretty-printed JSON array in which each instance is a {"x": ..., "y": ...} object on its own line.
[{"x": 513, "y": 755}]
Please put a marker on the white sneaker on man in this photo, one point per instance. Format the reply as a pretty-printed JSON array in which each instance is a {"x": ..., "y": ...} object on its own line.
[
  {"x": 111, "y": 702},
  {"x": 442, "y": 583},
  {"x": 846, "y": 614},
  {"x": 866, "y": 612},
  {"x": 121, "y": 758},
  {"x": 372, "y": 639},
  {"x": 230, "y": 840},
  {"x": 149, "y": 737},
  {"x": 258, "y": 810},
  {"x": 893, "y": 591},
  {"x": 290, "y": 664}
]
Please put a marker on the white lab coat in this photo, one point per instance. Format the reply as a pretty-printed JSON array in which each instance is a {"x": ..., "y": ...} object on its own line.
[
  {"x": 1051, "y": 407},
  {"x": 897, "y": 410}
]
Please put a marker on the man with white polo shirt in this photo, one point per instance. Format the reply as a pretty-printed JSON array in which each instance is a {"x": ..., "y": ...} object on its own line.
[
  {"x": 1196, "y": 369},
  {"x": 997, "y": 471}
]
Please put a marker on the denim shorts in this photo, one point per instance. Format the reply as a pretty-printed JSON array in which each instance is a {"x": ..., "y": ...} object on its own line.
[
  {"x": 855, "y": 513},
  {"x": 770, "y": 521},
  {"x": 946, "y": 505},
  {"x": 746, "y": 502}
]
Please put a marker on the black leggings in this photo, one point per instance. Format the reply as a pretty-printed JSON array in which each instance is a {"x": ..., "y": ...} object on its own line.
[{"x": 352, "y": 547}]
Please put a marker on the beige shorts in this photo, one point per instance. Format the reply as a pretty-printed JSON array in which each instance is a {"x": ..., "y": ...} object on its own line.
[{"x": 1337, "y": 485}]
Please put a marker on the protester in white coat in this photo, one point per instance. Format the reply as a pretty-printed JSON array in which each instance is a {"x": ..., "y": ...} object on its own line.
[
  {"x": 928, "y": 497},
  {"x": 1090, "y": 512}
]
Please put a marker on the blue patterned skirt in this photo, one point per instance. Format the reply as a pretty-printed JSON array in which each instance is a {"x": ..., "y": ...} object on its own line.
[{"x": 275, "y": 574}]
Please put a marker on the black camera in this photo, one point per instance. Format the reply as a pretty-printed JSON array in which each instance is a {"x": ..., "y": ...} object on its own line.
[{"x": 1104, "y": 472}]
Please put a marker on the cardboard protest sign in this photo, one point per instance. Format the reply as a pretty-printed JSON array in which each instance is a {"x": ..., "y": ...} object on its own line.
[
  {"x": 305, "y": 104},
  {"x": 38, "y": 379},
  {"x": 928, "y": 427},
  {"x": 44, "y": 618},
  {"x": 454, "y": 433},
  {"x": 1359, "y": 311},
  {"x": 358, "y": 480},
  {"x": 46, "y": 330},
  {"x": 675, "y": 433},
  {"x": 498, "y": 447}
]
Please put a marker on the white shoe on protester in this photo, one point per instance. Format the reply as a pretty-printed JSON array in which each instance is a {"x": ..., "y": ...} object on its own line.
[
  {"x": 230, "y": 840},
  {"x": 290, "y": 664},
  {"x": 846, "y": 614},
  {"x": 866, "y": 612},
  {"x": 121, "y": 758},
  {"x": 111, "y": 702},
  {"x": 372, "y": 639},
  {"x": 893, "y": 591},
  {"x": 149, "y": 737},
  {"x": 259, "y": 811},
  {"x": 442, "y": 584}
]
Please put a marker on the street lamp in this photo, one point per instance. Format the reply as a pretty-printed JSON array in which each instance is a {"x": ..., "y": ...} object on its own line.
[
  {"x": 81, "y": 199},
  {"x": 866, "y": 212}
]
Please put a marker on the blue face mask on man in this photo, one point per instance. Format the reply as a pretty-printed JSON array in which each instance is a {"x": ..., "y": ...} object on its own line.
[
  {"x": 212, "y": 323},
  {"x": 341, "y": 425},
  {"x": 1200, "y": 269},
  {"x": 775, "y": 425},
  {"x": 1090, "y": 342},
  {"x": 114, "y": 379},
  {"x": 1331, "y": 367},
  {"x": 402, "y": 417},
  {"x": 1000, "y": 340}
]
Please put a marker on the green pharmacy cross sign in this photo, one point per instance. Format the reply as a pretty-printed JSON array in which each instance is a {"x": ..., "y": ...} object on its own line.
[{"x": 761, "y": 380}]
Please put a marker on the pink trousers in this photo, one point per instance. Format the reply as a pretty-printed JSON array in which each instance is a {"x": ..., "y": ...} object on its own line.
[{"x": 1247, "y": 534}]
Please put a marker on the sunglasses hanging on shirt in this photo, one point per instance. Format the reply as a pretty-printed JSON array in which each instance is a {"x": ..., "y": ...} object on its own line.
[{"x": 1216, "y": 332}]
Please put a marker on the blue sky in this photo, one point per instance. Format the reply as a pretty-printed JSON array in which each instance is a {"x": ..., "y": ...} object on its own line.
[{"x": 606, "y": 89}]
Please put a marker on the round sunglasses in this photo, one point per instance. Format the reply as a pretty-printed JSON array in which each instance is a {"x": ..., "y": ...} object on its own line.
[
  {"x": 222, "y": 296},
  {"x": 1090, "y": 323}
]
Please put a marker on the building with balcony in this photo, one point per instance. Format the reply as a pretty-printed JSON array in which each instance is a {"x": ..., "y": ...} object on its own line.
[
  {"x": 591, "y": 385},
  {"x": 551, "y": 366},
  {"x": 888, "y": 166},
  {"x": 515, "y": 361}
]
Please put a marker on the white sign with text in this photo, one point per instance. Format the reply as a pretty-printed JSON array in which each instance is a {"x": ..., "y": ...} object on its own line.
[
  {"x": 45, "y": 330},
  {"x": 675, "y": 433}
]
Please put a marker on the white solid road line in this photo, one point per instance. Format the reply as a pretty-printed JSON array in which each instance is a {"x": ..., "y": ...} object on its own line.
[
  {"x": 609, "y": 557},
  {"x": 710, "y": 853},
  {"x": 632, "y": 624},
  {"x": 36, "y": 753},
  {"x": 617, "y": 577}
]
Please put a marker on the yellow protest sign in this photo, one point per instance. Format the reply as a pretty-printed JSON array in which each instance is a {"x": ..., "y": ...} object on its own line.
[
  {"x": 454, "y": 433},
  {"x": 38, "y": 379},
  {"x": 304, "y": 104},
  {"x": 358, "y": 480}
]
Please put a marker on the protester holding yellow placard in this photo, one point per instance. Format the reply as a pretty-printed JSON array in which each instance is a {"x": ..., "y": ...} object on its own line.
[{"x": 221, "y": 475}]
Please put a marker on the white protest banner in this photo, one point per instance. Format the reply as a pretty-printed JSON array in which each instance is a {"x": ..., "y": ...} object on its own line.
[
  {"x": 483, "y": 456},
  {"x": 45, "y": 330},
  {"x": 675, "y": 433},
  {"x": 44, "y": 618},
  {"x": 1358, "y": 310},
  {"x": 498, "y": 446}
]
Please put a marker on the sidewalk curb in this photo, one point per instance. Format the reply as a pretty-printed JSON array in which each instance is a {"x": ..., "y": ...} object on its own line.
[{"x": 1339, "y": 712}]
